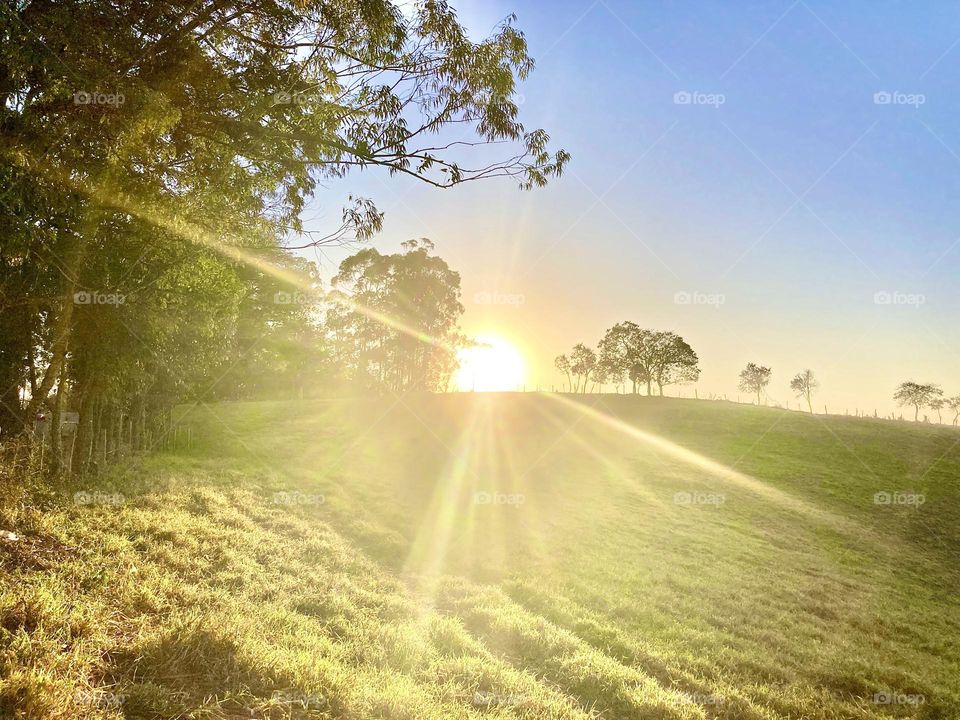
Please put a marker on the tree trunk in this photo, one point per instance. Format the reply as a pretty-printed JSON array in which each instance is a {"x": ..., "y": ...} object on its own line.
[
  {"x": 73, "y": 263},
  {"x": 56, "y": 420}
]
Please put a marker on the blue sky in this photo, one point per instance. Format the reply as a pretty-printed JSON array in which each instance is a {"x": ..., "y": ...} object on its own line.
[{"x": 784, "y": 186}]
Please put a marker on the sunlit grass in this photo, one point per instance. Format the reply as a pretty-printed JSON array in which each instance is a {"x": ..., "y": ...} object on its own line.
[{"x": 496, "y": 556}]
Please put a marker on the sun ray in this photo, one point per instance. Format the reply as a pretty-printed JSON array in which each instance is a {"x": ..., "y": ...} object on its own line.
[
  {"x": 705, "y": 464},
  {"x": 127, "y": 203}
]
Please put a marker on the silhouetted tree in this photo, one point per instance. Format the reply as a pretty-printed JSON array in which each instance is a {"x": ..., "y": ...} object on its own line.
[
  {"x": 804, "y": 384},
  {"x": 954, "y": 404},
  {"x": 916, "y": 394},
  {"x": 672, "y": 360},
  {"x": 625, "y": 347},
  {"x": 938, "y": 405},
  {"x": 394, "y": 318},
  {"x": 648, "y": 356},
  {"x": 562, "y": 363},
  {"x": 610, "y": 371},
  {"x": 583, "y": 360},
  {"x": 754, "y": 378}
]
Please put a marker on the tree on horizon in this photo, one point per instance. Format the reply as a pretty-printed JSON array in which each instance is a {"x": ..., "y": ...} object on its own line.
[{"x": 754, "y": 379}]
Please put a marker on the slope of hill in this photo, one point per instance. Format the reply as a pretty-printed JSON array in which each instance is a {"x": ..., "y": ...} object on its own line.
[{"x": 494, "y": 556}]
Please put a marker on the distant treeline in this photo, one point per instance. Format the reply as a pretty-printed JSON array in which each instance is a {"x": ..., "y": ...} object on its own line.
[{"x": 644, "y": 358}]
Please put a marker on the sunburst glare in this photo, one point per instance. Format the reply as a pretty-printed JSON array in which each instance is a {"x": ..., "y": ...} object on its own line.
[{"x": 491, "y": 364}]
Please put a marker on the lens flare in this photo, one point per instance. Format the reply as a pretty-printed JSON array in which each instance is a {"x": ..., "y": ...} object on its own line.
[{"x": 490, "y": 365}]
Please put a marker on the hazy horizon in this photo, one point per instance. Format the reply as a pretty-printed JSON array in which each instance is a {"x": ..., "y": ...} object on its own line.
[{"x": 785, "y": 200}]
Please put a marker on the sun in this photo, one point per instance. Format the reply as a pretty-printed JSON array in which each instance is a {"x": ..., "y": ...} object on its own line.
[{"x": 491, "y": 365}]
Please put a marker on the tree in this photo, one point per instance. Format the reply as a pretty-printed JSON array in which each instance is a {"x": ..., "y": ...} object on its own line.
[
  {"x": 754, "y": 378},
  {"x": 625, "y": 348},
  {"x": 583, "y": 360},
  {"x": 394, "y": 320},
  {"x": 954, "y": 404},
  {"x": 938, "y": 405},
  {"x": 916, "y": 394},
  {"x": 804, "y": 384},
  {"x": 648, "y": 356},
  {"x": 599, "y": 376},
  {"x": 672, "y": 360},
  {"x": 562, "y": 363},
  {"x": 155, "y": 150},
  {"x": 611, "y": 371}
]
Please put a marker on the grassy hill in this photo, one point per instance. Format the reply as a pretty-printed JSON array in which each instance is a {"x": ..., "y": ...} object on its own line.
[{"x": 494, "y": 556}]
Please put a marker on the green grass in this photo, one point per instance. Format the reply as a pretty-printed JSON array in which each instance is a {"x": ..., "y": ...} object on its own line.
[{"x": 384, "y": 589}]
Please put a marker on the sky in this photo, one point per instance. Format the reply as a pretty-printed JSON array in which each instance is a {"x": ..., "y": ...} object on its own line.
[{"x": 774, "y": 181}]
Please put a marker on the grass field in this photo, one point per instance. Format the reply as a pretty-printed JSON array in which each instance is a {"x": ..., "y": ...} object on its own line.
[{"x": 494, "y": 556}]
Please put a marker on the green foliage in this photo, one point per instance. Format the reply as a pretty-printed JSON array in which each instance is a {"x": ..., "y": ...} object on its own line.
[
  {"x": 393, "y": 318},
  {"x": 163, "y": 153}
]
